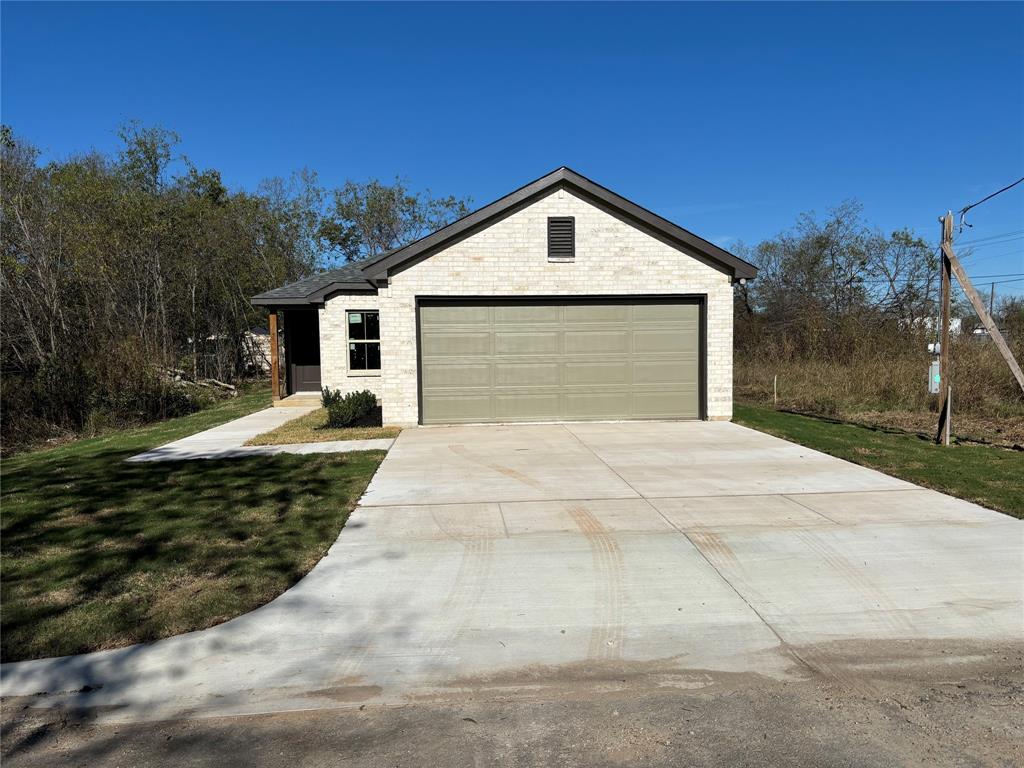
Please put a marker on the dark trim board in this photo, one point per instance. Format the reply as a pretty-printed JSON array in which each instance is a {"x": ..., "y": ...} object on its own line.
[{"x": 700, "y": 299}]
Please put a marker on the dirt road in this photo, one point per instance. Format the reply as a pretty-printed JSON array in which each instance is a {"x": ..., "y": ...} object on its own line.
[{"x": 846, "y": 704}]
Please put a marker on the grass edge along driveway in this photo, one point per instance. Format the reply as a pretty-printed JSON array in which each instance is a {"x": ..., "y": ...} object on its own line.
[
  {"x": 987, "y": 476},
  {"x": 98, "y": 553},
  {"x": 312, "y": 428}
]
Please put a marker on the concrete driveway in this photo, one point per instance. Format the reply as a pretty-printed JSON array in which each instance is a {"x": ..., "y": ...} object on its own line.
[{"x": 493, "y": 559}]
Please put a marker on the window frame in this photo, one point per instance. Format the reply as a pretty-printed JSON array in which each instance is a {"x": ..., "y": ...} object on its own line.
[{"x": 349, "y": 341}]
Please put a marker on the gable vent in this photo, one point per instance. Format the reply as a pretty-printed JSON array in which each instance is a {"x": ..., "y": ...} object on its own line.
[{"x": 561, "y": 238}]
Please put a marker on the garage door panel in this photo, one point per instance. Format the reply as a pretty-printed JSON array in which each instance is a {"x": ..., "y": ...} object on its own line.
[
  {"x": 450, "y": 409},
  {"x": 664, "y": 404},
  {"x": 665, "y": 371},
  {"x": 526, "y": 342},
  {"x": 435, "y": 315},
  {"x": 596, "y": 313},
  {"x": 526, "y": 407},
  {"x": 507, "y": 374},
  {"x": 610, "y": 373},
  {"x": 460, "y": 376},
  {"x": 457, "y": 344},
  {"x": 597, "y": 342},
  {"x": 530, "y": 314},
  {"x": 673, "y": 341},
  {"x": 658, "y": 312},
  {"x": 598, "y": 405},
  {"x": 548, "y": 360}
]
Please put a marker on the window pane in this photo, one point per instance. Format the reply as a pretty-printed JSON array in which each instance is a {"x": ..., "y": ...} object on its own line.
[
  {"x": 356, "y": 327},
  {"x": 357, "y": 357},
  {"x": 372, "y": 325},
  {"x": 372, "y": 356}
]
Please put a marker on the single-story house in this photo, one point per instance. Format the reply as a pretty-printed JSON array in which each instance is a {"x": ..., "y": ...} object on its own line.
[{"x": 561, "y": 301}]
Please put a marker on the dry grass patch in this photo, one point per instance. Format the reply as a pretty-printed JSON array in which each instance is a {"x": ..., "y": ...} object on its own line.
[
  {"x": 312, "y": 428},
  {"x": 886, "y": 389}
]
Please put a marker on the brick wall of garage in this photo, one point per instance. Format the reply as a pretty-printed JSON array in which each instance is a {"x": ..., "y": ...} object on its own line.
[{"x": 509, "y": 258}]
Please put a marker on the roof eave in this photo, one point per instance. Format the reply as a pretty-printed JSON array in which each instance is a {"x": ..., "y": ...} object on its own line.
[{"x": 313, "y": 299}]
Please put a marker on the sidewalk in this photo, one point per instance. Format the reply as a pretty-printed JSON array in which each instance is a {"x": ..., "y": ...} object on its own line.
[{"x": 228, "y": 440}]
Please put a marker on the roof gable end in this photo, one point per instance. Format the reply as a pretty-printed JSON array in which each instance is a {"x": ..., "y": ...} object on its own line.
[{"x": 380, "y": 267}]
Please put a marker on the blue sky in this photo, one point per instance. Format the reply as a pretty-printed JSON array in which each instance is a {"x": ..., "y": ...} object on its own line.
[{"x": 729, "y": 119}]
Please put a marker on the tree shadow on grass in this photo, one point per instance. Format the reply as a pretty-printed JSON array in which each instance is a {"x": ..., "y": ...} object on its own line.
[
  {"x": 180, "y": 676},
  {"x": 89, "y": 541}
]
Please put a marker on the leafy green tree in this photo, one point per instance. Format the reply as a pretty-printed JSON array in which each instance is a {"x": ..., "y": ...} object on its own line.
[
  {"x": 116, "y": 270},
  {"x": 367, "y": 219}
]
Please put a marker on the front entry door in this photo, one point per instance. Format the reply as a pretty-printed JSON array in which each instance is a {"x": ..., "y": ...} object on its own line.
[{"x": 302, "y": 348}]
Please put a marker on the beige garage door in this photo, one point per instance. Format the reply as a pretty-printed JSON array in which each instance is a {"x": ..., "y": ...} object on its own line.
[{"x": 557, "y": 360}]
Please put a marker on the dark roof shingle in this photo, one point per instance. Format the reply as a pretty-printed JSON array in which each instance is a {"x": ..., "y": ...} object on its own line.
[{"x": 307, "y": 286}]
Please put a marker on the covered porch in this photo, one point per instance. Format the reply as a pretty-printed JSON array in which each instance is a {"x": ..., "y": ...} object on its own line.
[{"x": 295, "y": 378}]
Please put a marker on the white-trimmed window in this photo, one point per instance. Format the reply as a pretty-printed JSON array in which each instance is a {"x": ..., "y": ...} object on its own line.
[{"x": 363, "y": 340}]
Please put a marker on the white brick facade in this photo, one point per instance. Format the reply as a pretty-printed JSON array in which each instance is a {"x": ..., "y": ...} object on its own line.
[
  {"x": 509, "y": 258},
  {"x": 334, "y": 372}
]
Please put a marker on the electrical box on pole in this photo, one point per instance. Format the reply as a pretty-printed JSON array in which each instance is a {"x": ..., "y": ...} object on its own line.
[{"x": 934, "y": 378}]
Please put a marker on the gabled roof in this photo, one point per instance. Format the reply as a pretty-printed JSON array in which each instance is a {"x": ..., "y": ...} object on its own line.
[
  {"x": 363, "y": 275},
  {"x": 381, "y": 266}
]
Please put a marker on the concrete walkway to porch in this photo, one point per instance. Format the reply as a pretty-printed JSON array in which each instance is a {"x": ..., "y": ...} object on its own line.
[{"x": 228, "y": 440}]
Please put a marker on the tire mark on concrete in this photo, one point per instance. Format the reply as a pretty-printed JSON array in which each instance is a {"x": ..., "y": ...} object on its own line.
[
  {"x": 606, "y": 637},
  {"x": 461, "y": 450},
  {"x": 466, "y": 590},
  {"x": 888, "y": 612},
  {"x": 713, "y": 546}
]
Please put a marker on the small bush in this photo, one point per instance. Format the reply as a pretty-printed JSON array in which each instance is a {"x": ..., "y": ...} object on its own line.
[
  {"x": 329, "y": 397},
  {"x": 344, "y": 410}
]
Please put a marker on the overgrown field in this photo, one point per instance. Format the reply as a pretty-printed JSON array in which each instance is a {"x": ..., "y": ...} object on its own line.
[{"x": 887, "y": 386}]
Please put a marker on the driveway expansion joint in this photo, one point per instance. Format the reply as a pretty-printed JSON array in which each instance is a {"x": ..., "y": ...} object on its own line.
[
  {"x": 686, "y": 536},
  {"x": 817, "y": 512}
]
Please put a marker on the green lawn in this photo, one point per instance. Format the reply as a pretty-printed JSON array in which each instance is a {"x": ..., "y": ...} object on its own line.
[
  {"x": 312, "y": 428},
  {"x": 992, "y": 477},
  {"x": 98, "y": 553},
  {"x": 152, "y": 435}
]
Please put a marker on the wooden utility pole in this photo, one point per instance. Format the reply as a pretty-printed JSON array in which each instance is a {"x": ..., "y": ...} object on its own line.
[
  {"x": 942, "y": 437},
  {"x": 275, "y": 372},
  {"x": 986, "y": 319},
  {"x": 952, "y": 266}
]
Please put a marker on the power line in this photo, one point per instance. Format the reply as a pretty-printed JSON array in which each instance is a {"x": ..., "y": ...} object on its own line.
[
  {"x": 976, "y": 259},
  {"x": 991, "y": 237},
  {"x": 964, "y": 210},
  {"x": 918, "y": 281},
  {"x": 975, "y": 245},
  {"x": 1002, "y": 274}
]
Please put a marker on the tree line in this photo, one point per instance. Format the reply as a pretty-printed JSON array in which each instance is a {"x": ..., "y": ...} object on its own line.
[
  {"x": 844, "y": 313},
  {"x": 126, "y": 274}
]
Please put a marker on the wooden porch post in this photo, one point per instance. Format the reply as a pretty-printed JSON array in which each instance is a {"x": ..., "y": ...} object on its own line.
[{"x": 275, "y": 366}]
